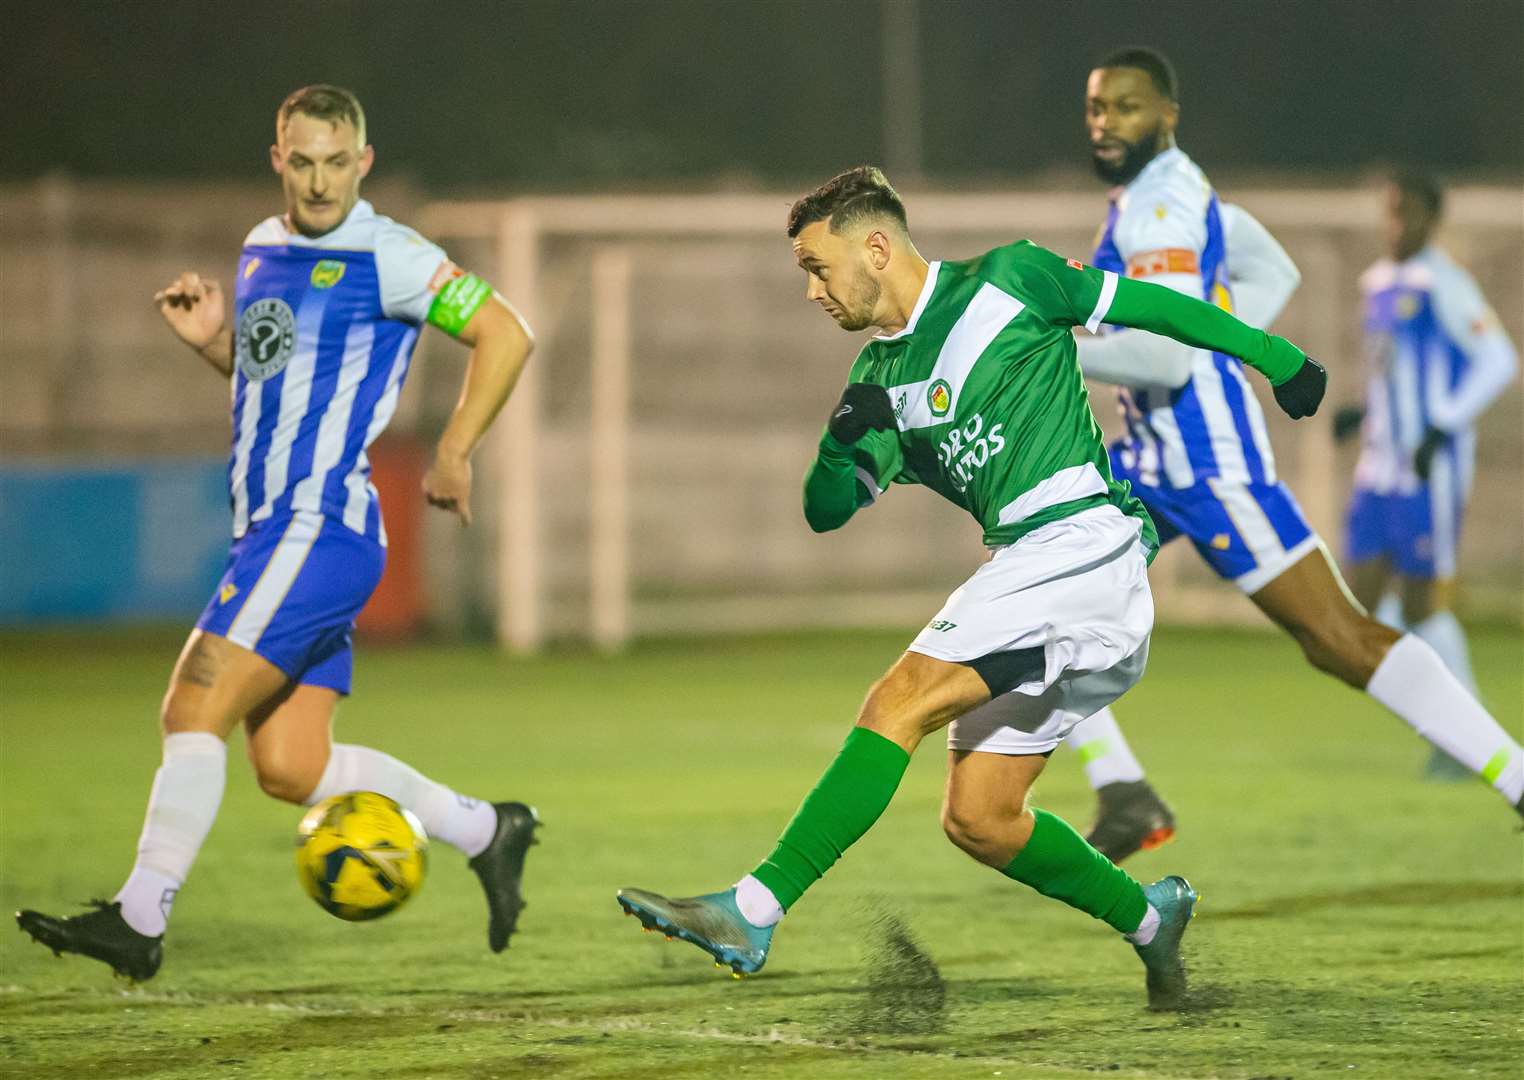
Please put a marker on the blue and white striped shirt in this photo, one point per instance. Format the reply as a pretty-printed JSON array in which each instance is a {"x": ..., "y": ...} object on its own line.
[
  {"x": 324, "y": 329},
  {"x": 1436, "y": 356},
  {"x": 1166, "y": 226}
]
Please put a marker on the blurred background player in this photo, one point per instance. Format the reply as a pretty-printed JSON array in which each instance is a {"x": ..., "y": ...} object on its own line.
[
  {"x": 1199, "y": 457},
  {"x": 328, "y": 305},
  {"x": 971, "y": 389},
  {"x": 1436, "y": 357}
]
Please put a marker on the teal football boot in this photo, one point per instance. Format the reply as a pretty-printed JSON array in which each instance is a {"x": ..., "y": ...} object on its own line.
[
  {"x": 712, "y": 922},
  {"x": 1175, "y": 901}
]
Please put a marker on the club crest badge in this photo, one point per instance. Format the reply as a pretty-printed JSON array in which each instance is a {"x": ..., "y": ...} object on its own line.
[
  {"x": 939, "y": 397},
  {"x": 326, "y": 274}
]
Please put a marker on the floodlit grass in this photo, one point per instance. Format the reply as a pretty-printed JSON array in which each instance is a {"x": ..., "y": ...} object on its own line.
[{"x": 1355, "y": 920}]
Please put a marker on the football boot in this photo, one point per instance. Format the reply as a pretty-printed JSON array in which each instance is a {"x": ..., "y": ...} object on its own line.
[
  {"x": 713, "y": 922},
  {"x": 1175, "y": 901},
  {"x": 101, "y": 934},
  {"x": 500, "y": 868},
  {"x": 1131, "y": 818}
]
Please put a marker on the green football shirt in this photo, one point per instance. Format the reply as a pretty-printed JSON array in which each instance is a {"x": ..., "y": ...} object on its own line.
[{"x": 990, "y": 406}]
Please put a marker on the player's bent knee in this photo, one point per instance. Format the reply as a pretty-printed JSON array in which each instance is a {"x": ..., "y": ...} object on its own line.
[
  {"x": 286, "y": 770},
  {"x": 286, "y": 777},
  {"x": 975, "y": 836}
]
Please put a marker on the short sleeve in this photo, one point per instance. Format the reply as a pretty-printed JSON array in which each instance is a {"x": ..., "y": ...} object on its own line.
[{"x": 411, "y": 270}]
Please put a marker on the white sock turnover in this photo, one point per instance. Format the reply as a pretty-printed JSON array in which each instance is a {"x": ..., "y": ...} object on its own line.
[
  {"x": 1146, "y": 929},
  {"x": 1103, "y": 751},
  {"x": 757, "y": 903},
  {"x": 1414, "y": 683},
  {"x": 187, "y": 790},
  {"x": 460, "y": 821}
]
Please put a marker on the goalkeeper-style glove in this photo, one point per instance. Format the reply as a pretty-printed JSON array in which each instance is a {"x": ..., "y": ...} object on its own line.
[
  {"x": 863, "y": 407},
  {"x": 1347, "y": 421},
  {"x": 1300, "y": 395},
  {"x": 1423, "y": 457}
]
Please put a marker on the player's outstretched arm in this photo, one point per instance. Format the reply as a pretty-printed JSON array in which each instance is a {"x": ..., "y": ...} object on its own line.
[
  {"x": 194, "y": 309},
  {"x": 832, "y": 483},
  {"x": 500, "y": 342},
  {"x": 1299, "y": 380}
]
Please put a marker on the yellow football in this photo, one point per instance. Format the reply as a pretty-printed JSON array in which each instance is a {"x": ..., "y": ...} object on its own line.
[{"x": 360, "y": 855}]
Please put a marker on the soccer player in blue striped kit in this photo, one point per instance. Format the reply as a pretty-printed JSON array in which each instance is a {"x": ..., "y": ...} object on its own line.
[
  {"x": 1198, "y": 455},
  {"x": 1436, "y": 358},
  {"x": 329, "y": 303}
]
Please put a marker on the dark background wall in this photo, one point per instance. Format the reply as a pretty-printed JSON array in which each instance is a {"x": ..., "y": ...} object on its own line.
[{"x": 623, "y": 93}]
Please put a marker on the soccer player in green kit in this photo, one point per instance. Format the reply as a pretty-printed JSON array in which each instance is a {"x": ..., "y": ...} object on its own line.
[{"x": 972, "y": 389}]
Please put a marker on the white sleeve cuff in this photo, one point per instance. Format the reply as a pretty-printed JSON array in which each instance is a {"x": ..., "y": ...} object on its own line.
[{"x": 1103, "y": 302}]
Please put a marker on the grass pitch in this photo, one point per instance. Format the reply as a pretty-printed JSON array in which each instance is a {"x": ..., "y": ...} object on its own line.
[{"x": 1355, "y": 920}]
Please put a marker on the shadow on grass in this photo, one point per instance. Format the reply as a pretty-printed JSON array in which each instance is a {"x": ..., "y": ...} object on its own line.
[{"x": 1395, "y": 894}]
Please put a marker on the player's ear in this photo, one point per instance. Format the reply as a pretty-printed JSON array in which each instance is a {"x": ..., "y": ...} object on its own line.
[
  {"x": 1171, "y": 116},
  {"x": 879, "y": 248},
  {"x": 367, "y": 159},
  {"x": 275, "y": 157}
]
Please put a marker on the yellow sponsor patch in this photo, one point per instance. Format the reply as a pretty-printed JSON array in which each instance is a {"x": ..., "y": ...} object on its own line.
[
  {"x": 326, "y": 274},
  {"x": 227, "y": 592},
  {"x": 248, "y": 271},
  {"x": 1407, "y": 306},
  {"x": 1221, "y": 542}
]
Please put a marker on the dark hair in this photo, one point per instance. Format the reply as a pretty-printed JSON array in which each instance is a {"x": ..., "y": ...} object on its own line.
[
  {"x": 323, "y": 102},
  {"x": 1150, "y": 61},
  {"x": 851, "y": 197},
  {"x": 1421, "y": 186}
]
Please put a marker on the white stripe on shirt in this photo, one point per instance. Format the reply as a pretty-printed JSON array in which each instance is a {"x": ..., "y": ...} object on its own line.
[{"x": 333, "y": 429}]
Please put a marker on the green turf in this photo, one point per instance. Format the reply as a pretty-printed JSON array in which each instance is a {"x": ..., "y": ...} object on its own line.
[{"x": 1355, "y": 921}]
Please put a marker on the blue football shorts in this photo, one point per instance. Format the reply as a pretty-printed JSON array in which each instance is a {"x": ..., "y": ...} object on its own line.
[
  {"x": 1417, "y": 532},
  {"x": 1249, "y": 533},
  {"x": 291, "y": 591}
]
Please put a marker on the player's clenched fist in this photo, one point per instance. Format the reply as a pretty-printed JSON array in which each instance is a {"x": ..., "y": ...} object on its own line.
[
  {"x": 863, "y": 407},
  {"x": 1301, "y": 394},
  {"x": 193, "y": 307},
  {"x": 447, "y": 485}
]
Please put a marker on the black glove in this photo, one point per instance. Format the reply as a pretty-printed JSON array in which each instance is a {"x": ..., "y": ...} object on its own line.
[
  {"x": 863, "y": 407},
  {"x": 1423, "y": 457},
  {"x": 1299, "y": 395},
  {"x": 1347, "y": 421}
]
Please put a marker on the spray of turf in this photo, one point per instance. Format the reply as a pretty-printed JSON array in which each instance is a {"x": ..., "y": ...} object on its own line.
[{"x": 903, "y": 991}]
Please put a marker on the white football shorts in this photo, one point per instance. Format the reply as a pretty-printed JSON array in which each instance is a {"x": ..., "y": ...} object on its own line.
[{"x": 1078, "y": 589}]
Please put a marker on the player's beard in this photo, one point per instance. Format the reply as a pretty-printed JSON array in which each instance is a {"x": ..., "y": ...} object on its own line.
[
  {"x": 857, "y": 311},
  {"x": 1135, "y": 156}
]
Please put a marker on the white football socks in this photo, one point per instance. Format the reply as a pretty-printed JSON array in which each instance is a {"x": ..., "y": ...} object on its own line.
[
  {"x": 1146, "y": 929},
  {"x": 1103, "y": 751},
  {"x": 1443, "y": 632},
  {"x": 461, "y": 822},
  {"x": 757, "y": 903},
  {"x": 187, "y": 790},
  {"x": 1414, "y": 683}
]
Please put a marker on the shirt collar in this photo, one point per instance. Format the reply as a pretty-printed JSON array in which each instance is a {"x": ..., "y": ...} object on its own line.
[
  {"x": 1160, "y": 163},
  {"x": 920, "y": 303}
]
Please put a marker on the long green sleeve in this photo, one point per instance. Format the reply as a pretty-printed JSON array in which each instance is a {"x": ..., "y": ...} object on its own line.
[
  {"x": 1146, "y": 306},
  {"x": 830, "y": 486}
]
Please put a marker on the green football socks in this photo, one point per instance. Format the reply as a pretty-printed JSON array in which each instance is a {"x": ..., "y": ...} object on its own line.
[
  {"x": 846, "y": 802},
  {"x": 1057, "y": 862}
]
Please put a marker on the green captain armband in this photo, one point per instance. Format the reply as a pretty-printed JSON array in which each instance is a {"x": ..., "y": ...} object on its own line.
[{"x": 457, "y": 301}]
